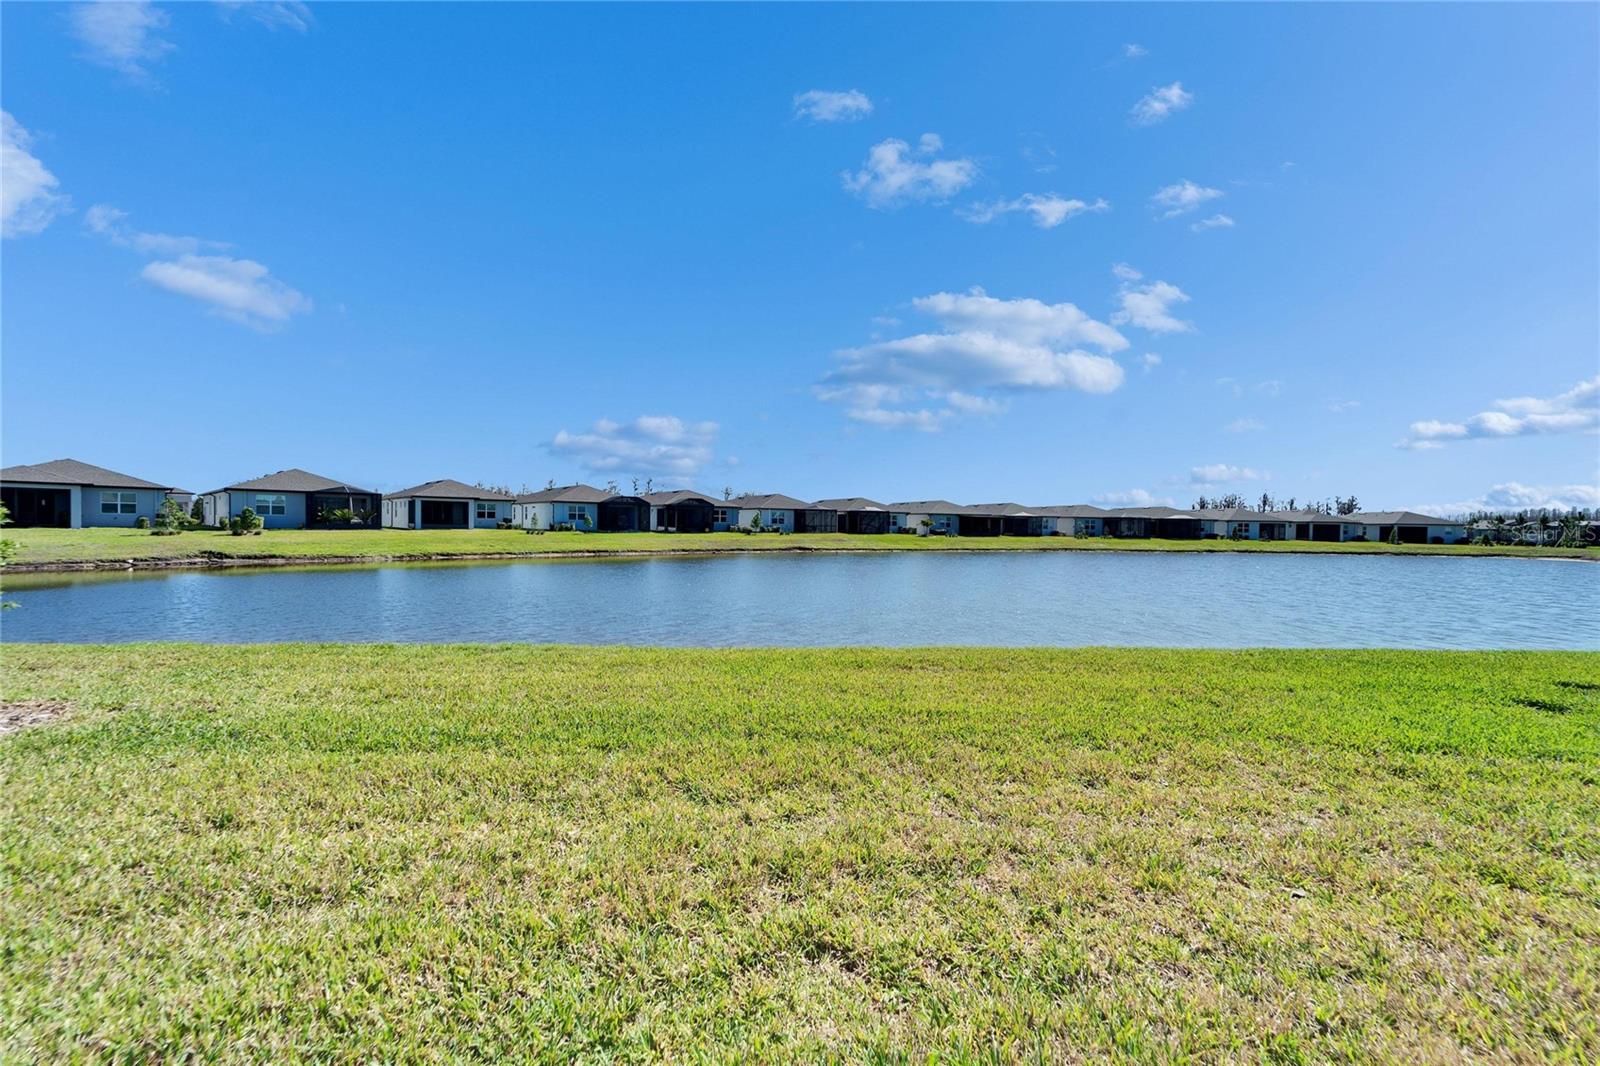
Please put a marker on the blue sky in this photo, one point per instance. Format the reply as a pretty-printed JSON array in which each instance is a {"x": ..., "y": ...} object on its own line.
[{"x": 1044, "y": 253}]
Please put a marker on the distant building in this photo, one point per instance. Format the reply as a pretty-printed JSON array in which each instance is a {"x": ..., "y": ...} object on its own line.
[
  {"x": 583, "y": 508},
  {"x": 291, "y": 499},
  {"x": 446, "y": 504},
  {"x": 687, "y": 511},
  {"x": 941, "y": 517},
  {"x": 69, "y": 494},
  {"x": 857, "y": 514},
  {"x": 784, "y": 514}
]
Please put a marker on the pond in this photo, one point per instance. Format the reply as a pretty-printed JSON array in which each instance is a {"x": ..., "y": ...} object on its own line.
[{"x": 1060, "y": 598}]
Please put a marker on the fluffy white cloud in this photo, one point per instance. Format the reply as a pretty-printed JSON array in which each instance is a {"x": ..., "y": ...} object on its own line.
[
  {"x": 1048, "y": 210},
  {"x": 1244, "y": 425},
  {"x": 111, "y": 223},
  {"x": 1575, "y": 411},
  {"x": 1515, "y": 496},
  {"x": 1133, "y": 498},
  {"x": 895, "y": 174},
  {"x": 652, "y": 445},
  {"x": 283, "y": 15},
  {"x": 985, "y": 346},
  {"x": 1148, "y": 306},
  {"x": 1182, "y": 197},
  {"x": 28, "y": 197},
  {"x": 240, "y": 289},
  {"x": 1160, "y": 103},
  {"x": 123, "y": 35},
  {"x": 823, "y": 105},
  {"x": 1216, "y": 221},
  {"x": 1223, "y": 474}
]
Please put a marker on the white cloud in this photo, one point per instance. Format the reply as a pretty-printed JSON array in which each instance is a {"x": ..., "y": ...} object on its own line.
[
  {"x": 111, "y": 223},
  {"x": 282, "y": 15},
  {"x": 1160, "y": 103},
  {"x": 1223, "y": 474},
  {"x": 1133, "y": 498},
  {"x": 652, "y": 445},
  {"x": 1134, "y": 51},
  {"x": 1216, "y": 221},
  {"x": 1148, "y": 306},
  {"x": 1575, "y": 411},
  {"x": 823, "y": 105},
  {"x": 1048, "y": 210},
  {"x": 1515, "y": 496},
  {"x": 240, "y": 289},
  {"x": 1244, "y": 425},
  {"x": 1339, "y": 407},
  {"x": 121, "y": 34},
  {"x": 985, "y": 346},
  {"x": 1150, "y": 360},
  {"x": 893, "y": 175},
  {"x": 1182, "y": 197},
  {"x": 28, "y": 197}
]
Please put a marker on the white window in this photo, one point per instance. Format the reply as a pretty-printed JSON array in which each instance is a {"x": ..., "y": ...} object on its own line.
[
  {"x": 576, "y": 513},
  {"x": 488, "y": 510},
  {"x": 777, "y": 518},
  {"x": 719, "y": 515},
  {"x": 276, "y": 505},
  {"x": 119, "y": 503}
]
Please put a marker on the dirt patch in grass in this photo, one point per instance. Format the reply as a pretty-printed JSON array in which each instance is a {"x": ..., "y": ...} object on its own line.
[{"x": 23, "y": 714}]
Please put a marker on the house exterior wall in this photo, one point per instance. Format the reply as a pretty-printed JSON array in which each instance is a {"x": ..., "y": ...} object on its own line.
[
  {"x": 397, "y": 514},
  {"x": 146, "y": 501},
  {"x": 497, "y": 508},
  {"x": 771, "y": 518},
  {"x": 294, "y": 507},
  {"x": 902, "y": 521},
  {"x": 550, "y": 515}
]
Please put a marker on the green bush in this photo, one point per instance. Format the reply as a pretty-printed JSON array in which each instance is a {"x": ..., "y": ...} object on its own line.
[
  {"x": 142, "y": 523},
  {"x": 245, "y": 523}
]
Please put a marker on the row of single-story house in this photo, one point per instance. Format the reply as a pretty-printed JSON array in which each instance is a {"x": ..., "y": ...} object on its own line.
[{"x": 70, "y": 494}]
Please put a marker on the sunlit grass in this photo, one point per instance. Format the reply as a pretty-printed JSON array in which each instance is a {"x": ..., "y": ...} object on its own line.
[
  {"x": 95, "y": 544},
  {"x": 402, "y": 853}
]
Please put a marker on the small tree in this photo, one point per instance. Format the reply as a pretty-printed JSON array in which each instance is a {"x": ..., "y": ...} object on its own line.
[
  {"x": 170, "y": 520},
  {"x": 245, "y": 523},
  {"x": 8, "y": 547},
  {"x": 197, "y": 511},
  {"x": 1394, "y": 534},
  {"x": 727, "y": 493}
]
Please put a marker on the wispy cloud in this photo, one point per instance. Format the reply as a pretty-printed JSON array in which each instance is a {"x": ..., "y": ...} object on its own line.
[
  {"x": 282, "y": 15},
  {"x": 122, "y": 35},
  {"x": 1223, "y": 474},
  {"x": 651, "y": 445},
  {"x": 1047, "y": 210},
  {"x": 895, "y": 174},
  {"x": 240, "y": 289},
  {"x": 1216, "y": 221},
  {"x": 1134, "y": 51},
  {"x": 1575, "y": 411},
  {"x": 1516, "y": 496},
  {"x": 825, "y": 105},
  {"x": 1148, "y": 305},
  {"x": 1161, "y": 103},
  {"x": 111, "y": 223},
  {"x": 1133, "y": 498},
  {"x": 985, "y": 349},
  {"x": 1149, "y": 360},
  {"x": 28, "y": 197},
  {"x": 1339, "y": 407},
  {"x": 1182, "y": 197},
  {"x": 1244, "y": 425}
]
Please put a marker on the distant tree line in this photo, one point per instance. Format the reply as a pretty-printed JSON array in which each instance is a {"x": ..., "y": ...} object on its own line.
[{"x": 1337, "y": 505}]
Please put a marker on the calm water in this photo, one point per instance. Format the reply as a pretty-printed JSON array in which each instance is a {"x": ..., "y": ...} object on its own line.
[{"x": 900, "y": 598}]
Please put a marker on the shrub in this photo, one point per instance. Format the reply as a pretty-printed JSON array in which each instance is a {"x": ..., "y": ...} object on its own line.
[
  {"x": 171, "y": 519},
  {"x": 245, "y": 523},
  {"x": 142, "y": 523},
  {"x": 1394, "y": 534}
]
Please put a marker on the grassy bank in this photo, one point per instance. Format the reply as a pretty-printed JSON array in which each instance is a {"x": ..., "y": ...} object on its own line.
[
  {"x": 388, "y": 853},
  {"x": 57, "y": 546}
]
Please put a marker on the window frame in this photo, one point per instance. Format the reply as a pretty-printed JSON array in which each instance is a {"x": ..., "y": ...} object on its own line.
[
  {"x": 492, "y": 507},
  {"x": 120, "y": 501},
  {"x": 277, "y": 509}
]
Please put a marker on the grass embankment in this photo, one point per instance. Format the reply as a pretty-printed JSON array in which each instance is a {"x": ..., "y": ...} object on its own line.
[
  {"x": 60, "y": 546},
  {"x": 383, "y": 854}
]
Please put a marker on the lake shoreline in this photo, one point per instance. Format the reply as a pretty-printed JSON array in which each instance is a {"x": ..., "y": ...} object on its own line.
[{"x": 221, "y": 562}]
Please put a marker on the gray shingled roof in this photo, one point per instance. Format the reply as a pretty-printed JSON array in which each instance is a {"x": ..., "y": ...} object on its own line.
[
  {"x": 295, "y": 480},
  {"x": 775, "y": 501},
  {"x": 927, "y": 507},
  {"x": 1071, "y": 510},
  {"x": 667, "y": 499},
  {"x": 446, "y": 489},
  {"x": 1006, "y": 510},
  {"x": 73, "y": 472},
  {"x": 1403, "y": 518},
  {"x": 566, "y": 494},
  {"x": 851, "y": 503}
]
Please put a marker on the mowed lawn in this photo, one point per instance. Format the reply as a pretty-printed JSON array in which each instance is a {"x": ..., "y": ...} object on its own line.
[
  {"x": 440, "y": 853},
  {"x": 100, "y": 544}
]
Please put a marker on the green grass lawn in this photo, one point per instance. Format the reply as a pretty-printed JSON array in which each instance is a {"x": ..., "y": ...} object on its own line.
[
  {"x": 95, "y": 544},
  {"x": 440, "y": 853}
]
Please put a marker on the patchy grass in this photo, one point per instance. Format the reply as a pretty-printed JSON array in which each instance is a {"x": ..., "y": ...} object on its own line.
[
  {"x": 52, "y": 546},
  {"x": 382, "y": 853}
]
